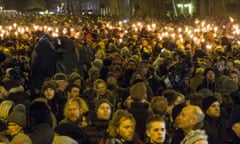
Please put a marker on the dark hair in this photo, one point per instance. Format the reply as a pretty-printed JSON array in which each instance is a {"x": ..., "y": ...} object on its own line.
[
  {"x": 71, "y": 86},
  {"x": 195, "y": 98},
  {"x": 171, "y": 95}
]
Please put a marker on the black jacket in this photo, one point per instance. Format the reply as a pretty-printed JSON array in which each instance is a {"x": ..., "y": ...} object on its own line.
[{"x": 141, "y": 113}]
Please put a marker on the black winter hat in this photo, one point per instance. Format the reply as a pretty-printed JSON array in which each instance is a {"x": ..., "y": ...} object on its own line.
[
  {"x": 177, "y": 109},
  {"x": 73, "y": 77},
  {"x": 40, "y": 112},
  {"x": 60, "y": 76},
  {"x": 207, "y": 101},
  {"x": 73, "y": 131},
  {"x": 99, "y": 102}
]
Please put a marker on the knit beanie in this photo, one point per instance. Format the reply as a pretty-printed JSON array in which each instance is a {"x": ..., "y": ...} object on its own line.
[
  {"x": 60, "y": 76},
  {"x": 73, "y": 77},
  {"x": 207, "y": 101},
  {"x": 18, "y": 115},
  {"x": 177, "y": 110},
  {"x": 49, "y": 84},
  {"x": 101, "y": 101}
]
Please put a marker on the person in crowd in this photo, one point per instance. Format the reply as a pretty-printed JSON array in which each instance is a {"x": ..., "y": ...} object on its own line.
[
  {"x": 60, "y": 97},
  {"x": 74, "y": 110},
  {"x": 121, "y": 129},
  {"x": 16, "y": 92},
  {"x": 61, "y": 80},
  {"x": 50, "y": 97},
  {"x": 126, "y": 103},
  {"x": 118, "y": 73},
  {"x": 40, "y": 123},
  {"x": 102, "y": 92},
  {"x": 234, "y": 119},
  {"x": 197, "y": 78},
  {"x": 72, "y": 134},
  {"x": 214, "y": 125},
  {"x": 156, "y": 131},
  {"x": 209, "y": 80},
  {"x": 93, "y": 74},
  {"x": 77, "y": 79},
  {"x": 177, "y": 135},
  {"x": 230, "y": 66},
  {"x": 235, "y": 77},
  {"x": 173, "y": 98},
  {"x": 130, "y": 68},
  {"x": 190, "y": 120},
  {"x": 139, "y": 76},
  {"x": 139, "y": 107},
  {"x": 72, "y": 91},
  {"x": 17, "y": 122},
  {"x": 159, "y": 105},
  {"x": 68, "y": 55},
  {"x": 43, "y": 63},
  {"x": 99, "y": 120}
]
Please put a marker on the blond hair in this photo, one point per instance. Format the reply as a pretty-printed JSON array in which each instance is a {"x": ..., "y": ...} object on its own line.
[
  {"x": 98, "y": 81},
  {"x": 118, "y": 117},
  {"x": 81, "y": 102}
]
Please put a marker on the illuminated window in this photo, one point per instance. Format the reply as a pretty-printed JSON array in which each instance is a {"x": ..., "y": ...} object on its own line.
[{"x": 185, "y": 8}]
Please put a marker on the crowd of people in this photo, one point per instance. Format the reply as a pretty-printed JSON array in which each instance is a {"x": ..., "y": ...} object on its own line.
[{"x": 69, "y": 79}]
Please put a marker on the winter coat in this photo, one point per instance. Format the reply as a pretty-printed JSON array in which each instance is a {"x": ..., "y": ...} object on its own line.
[
  {"x": 42, "y": 134},
  {"x": 141, "y": 113},
  {"x": 216, "y": 129},
  {"x": 194, "y": 136},
  {"x": 43, "y": 64},
  {"x": 96, "y": 130}
]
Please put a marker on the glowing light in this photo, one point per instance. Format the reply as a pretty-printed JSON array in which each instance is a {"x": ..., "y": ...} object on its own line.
[
  {"x": 14, "y": 25},
  {"x": 209, "y": 47},
  {"x": 231, "y": 19}
]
